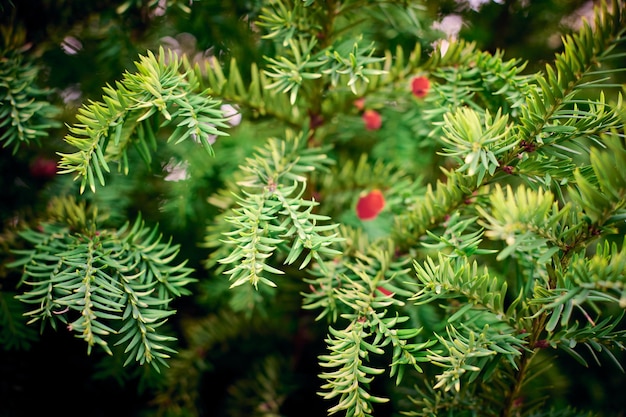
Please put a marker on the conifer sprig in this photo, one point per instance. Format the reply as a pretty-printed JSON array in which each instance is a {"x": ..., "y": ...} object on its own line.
[
  {"x": 369, "y": 331},
  {"x": 273, "y": 214},
  {"x": 25, "y": 114},
  {"x": 104, "y": 283},
  {"x": 162, "y": 93}
]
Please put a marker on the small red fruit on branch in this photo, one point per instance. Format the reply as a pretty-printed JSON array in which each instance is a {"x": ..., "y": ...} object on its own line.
[
  {"x": 373, "y": 120},
  {"x": 43, "y": 168},
  {"x": 420, "y": 86},
  {"x": 370, "y": 205}
]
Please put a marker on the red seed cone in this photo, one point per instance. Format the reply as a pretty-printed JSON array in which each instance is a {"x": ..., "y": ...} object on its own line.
[
  {"x": 420, "y": 86},
  {"x": 373, "y": 120},
  {"x": 370, "y": 205},
  {"x": 43, "y": 168}
]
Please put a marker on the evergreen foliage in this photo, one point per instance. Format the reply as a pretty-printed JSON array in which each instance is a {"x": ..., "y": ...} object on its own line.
[
  {"x": 26, "y": 115},
  {"x": 88, "y": 279},
  {"x": 422, "y": 226},
  {"x": 128, "y": 115}
]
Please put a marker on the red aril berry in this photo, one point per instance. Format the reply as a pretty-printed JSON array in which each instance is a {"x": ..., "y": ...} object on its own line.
[
  {"x": 359, "y": 103},
  {"x": 370, "y": 205},
  {"x": 372, "y": 119},
  {"x": 43, "y": 168},
  {"x": 420, "y": 86}
]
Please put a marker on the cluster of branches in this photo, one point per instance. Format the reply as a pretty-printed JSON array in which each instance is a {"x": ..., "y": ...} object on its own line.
[
  {"x": 532, "y": 178},
  {"x": 90, "y": 279},
  {"x": 497, "y": 127}
]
